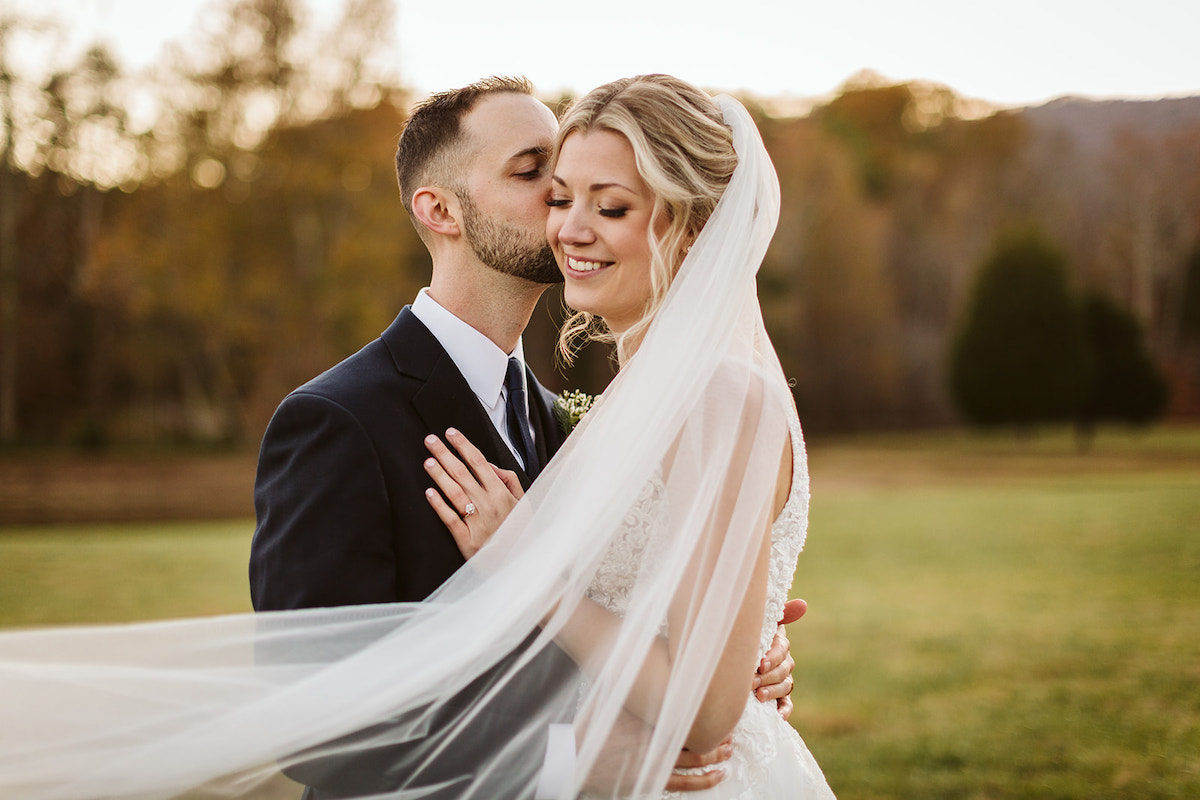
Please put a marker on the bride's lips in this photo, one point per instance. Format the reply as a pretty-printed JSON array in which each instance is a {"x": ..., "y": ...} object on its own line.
[{"x": 584, "y": 267}]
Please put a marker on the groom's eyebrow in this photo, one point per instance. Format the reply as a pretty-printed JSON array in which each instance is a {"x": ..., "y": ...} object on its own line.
[{"x": 538, "y": 151}]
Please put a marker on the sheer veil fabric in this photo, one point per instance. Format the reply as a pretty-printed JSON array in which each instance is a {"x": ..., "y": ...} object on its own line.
[{"x": 685, "y": 443}]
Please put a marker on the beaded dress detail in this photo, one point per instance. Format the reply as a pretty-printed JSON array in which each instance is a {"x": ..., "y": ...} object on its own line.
[{"x": 769, "y": 759}]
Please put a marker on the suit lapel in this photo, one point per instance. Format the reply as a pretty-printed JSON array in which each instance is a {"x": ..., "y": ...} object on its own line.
[{"x": 445, "y": 399}]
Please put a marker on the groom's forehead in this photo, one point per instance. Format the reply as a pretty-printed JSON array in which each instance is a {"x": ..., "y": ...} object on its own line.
[{"x": 505, "y": 127}]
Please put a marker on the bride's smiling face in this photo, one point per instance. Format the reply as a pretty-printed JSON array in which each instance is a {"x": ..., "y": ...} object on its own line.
[{"x": 599, "y": 223}]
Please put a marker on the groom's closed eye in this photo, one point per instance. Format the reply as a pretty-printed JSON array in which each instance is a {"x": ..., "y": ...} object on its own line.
[{"x": 530, "y": 164}]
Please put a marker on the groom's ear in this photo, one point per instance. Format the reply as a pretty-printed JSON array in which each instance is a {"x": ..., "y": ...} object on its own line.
[{"x": 436, "y": 209}]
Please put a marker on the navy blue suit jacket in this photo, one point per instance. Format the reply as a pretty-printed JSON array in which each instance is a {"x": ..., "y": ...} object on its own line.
[
  {"x": 340, "y": 492},
  {"x": 343, "y": 519}
]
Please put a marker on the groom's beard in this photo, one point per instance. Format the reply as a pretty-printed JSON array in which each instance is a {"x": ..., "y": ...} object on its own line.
[{"x": 508, "y": 249}]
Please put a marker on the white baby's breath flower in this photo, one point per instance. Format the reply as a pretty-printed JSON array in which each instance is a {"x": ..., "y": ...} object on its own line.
[{"x": 570, "y": 406}]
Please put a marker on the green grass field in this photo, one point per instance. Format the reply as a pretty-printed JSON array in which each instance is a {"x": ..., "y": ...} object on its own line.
[
  {"x": 76, "y": 573},
  {"x": 988, "y": 619}
]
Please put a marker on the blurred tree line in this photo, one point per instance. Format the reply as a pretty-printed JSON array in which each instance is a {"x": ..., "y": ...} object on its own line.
[
  {"x": 1029, "y": 350},
  {"x": 180, "y": 248}
]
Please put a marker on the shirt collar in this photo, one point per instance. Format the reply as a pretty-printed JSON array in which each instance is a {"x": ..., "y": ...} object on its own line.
[{"x": 477, "y": 357}]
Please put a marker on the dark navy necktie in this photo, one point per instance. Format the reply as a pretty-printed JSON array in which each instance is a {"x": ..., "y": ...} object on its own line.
[{"x": 518, "y": 419}]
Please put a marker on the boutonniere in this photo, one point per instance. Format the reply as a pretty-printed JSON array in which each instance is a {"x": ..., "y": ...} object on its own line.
[{"x": 570, "y": 407}]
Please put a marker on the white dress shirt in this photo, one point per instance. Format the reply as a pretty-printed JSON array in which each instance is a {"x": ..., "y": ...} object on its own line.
[{"x": 479, "y": 360}]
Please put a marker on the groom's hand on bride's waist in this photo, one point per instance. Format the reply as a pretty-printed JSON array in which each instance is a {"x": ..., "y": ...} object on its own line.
[
  {"x": 774, "y": 678},
  {"x": 705, "y": 770},
  {"x": 617, "y": 763}
]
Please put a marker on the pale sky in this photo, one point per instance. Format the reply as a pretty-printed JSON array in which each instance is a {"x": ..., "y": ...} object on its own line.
[{"x": 1018, "y": 52}]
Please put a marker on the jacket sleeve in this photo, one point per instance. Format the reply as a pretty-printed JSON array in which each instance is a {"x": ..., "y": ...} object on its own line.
[{"x": 324, "y": 535}]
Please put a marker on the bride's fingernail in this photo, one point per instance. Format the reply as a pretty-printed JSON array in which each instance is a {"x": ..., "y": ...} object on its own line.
[
  {"x": 451, "y": 432},
  {"x": 429, "y": 462},
  {"x": 430, "y": 439}
]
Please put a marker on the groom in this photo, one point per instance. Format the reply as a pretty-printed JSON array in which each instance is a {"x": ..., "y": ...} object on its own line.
[{"x": 339, "y": 497}]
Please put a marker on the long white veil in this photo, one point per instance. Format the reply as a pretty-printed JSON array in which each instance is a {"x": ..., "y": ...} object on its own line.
[{"x": 670, "y": 478}]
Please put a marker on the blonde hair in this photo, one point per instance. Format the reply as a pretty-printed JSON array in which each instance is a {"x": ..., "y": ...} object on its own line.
[{"x": 684, "y": 153}]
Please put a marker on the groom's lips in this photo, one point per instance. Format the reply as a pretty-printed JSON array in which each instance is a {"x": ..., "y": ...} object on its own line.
[{"x": 584, "y": 267}]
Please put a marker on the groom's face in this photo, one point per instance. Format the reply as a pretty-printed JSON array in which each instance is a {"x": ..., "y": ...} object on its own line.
[{"x": 507, "y": 149}]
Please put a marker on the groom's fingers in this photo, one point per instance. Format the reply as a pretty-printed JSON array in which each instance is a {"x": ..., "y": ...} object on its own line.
[
  {"x": 776, "y": 680},
  {"x": 694, "y": 783},
  {"x": 705, "y": 780},
  {"x": 776, "y": 690},
  {"x": 776, "y": 674},
  {"x": 779, "y": 653},
  {"x": 689, "y": 760},
  {"x": 784, "y": 706}
]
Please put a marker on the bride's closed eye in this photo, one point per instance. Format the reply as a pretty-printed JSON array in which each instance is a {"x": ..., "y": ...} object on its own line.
[{"x": 614, "y": 213}]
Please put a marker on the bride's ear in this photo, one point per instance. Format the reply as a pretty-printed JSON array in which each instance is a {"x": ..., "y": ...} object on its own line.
[
  {"x": 437, "y": 209},
  {"x": 689, "y": 238}
]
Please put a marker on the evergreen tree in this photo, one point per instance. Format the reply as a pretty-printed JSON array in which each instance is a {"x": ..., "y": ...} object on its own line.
[
  {"x": 1019, "y": 357},
  {"x": 1124, "y": 384}
]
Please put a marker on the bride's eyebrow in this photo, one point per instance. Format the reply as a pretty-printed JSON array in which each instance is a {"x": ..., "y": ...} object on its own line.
[{"x": 595, "y": 187}]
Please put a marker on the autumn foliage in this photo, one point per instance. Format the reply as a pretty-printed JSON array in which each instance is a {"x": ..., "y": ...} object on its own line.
[{"x": 172, "y": 280}]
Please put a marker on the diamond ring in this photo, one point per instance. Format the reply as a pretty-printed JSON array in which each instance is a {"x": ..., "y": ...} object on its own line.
[{"x": 469, "y": 510}]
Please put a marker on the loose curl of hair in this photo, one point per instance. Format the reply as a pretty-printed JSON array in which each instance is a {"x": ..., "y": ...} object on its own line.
[{"x": 684, "y": 152}]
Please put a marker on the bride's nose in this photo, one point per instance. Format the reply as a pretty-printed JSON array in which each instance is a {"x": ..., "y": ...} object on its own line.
[{"x": 575, "y": 230}]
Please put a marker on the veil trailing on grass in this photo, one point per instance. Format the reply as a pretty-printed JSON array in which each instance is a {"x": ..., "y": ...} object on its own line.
[{"x": 675, "y": 467}]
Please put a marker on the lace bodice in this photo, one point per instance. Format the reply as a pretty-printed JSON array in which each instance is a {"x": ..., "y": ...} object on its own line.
[
  {"x": 769, "y": 759},
  {"x": 618, "y": 571},
  {"x": 788, "y": 533}
]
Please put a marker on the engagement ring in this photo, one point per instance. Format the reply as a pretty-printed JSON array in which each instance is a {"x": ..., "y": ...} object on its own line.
[{"x": 469, "y": 510}]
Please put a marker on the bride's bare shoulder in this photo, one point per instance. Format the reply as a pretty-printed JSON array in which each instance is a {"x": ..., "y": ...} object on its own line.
[
  {"x": 760, "y": 398},
  {"x": 752, "y": 384}
]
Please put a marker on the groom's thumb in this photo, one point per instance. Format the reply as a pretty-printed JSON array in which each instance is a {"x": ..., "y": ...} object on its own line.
[{"x": 793, "y": 610}]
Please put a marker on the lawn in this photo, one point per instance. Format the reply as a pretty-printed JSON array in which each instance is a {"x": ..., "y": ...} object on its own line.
[
  {"x": 989, "y": 618},
  {"x": 80, "y": 573},
  {"x": 1008, "y": 621}
]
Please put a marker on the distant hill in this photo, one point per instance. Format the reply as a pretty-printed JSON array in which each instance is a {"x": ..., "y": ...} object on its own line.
[{"x": 1093, "y": 124}]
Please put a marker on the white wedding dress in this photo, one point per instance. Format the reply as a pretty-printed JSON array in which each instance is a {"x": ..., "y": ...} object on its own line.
[{"x": 770, "y": 761}]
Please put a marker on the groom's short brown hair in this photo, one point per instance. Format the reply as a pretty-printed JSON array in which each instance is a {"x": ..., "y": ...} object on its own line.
[{"x": 430, "y": 143}]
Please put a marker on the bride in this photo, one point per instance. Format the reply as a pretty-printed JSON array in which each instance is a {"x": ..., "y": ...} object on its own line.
[
  {"x": 655, "y": 550},
  {"x": 639, "y": 166}
]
